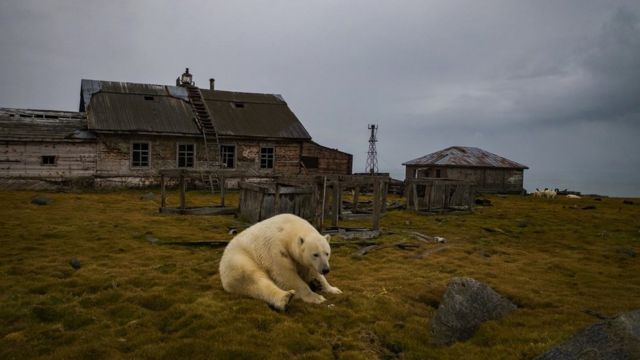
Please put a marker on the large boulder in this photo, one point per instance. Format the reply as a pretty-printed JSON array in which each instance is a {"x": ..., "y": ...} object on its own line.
[
  {"x": 613, "y": 339},
  {"x": 466, "y": 304}
]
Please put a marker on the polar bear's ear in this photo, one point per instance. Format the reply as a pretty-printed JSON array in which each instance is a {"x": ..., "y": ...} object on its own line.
[
  {"x": 328, "y": 237},
  {"x": 301, "y": 240}
]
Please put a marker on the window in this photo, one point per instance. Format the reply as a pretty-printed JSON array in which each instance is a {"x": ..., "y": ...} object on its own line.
[
  {"x": 186, "y": 155},
  {"x": 310, "y": 162},
  {"x": 238, "y": 105},
  {"x": 437, "y": 173},
  {"x": 228, "y": 156},
  {"x": 148, "y": 97},
  {"x": 47, "y": 160},
  {"x": 266, "y": 158},
  {"x": 139, "y": 154}
]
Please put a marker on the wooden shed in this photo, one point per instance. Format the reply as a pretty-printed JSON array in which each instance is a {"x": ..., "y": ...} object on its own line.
[{"x": 487, "y": 172}]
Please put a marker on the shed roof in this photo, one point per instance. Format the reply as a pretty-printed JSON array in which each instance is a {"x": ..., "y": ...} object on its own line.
[
  {"x": 43, "y": 125},
  {"x": 462, "y": 156},
  {"x": 129, "y": 107}
]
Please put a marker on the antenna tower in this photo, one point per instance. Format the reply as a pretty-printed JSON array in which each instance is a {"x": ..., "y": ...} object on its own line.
[{"x": 372, "y": 155}]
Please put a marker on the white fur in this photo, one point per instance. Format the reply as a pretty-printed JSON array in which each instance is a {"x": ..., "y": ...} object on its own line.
[
  {"x": 572, "y": 196},
  {"x": 275, "y": 259}
]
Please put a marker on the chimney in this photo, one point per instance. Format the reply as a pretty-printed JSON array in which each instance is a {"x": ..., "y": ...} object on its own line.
[{"x": 211, "y": 83}]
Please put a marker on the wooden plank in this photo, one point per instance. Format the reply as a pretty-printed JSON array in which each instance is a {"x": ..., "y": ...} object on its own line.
[
  {"x": 276, "y": 200},
  {"x": 163, "y": 192},
  {"x": 222, "y": 188},
  {"x": 335, "y": 207},
  {"x": 376, "y": 204},
  {"x": 415, "y": 196},
  {"x": 182, "y": 192},
  {"x": 356, "y": 196},
  {"x": 385, "y": 192}
]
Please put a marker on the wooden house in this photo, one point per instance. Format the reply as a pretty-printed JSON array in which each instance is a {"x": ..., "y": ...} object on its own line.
[
  {"x": 130, "y": 131},
  {"x": 485, "y": 171}
]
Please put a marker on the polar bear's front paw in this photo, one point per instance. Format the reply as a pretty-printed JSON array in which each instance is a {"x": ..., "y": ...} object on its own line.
[
  {"x": 281, "y": 304},
  {"x": 334, "y": 290},
  {"x": 314, "y": 298}
]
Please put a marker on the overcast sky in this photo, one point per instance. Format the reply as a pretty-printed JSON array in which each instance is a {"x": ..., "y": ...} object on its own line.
[{"x": 551, "y": 84}]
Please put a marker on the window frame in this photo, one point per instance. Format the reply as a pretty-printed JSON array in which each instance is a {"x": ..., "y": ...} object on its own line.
[
  {"x": 131, "y": 151},
  {"x": 193, "y": 155},
  {"x": 265, "y": 157},
  {"x": 234, "y": 157},
  {"x": 53, "y": 157}
]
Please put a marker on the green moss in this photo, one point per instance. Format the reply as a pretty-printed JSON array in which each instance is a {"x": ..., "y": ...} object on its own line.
[{"x": 134, "y": 299}]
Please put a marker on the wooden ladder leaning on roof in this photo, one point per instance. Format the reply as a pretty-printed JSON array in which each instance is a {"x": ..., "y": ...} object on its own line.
[{"x": 209, "y": 133}]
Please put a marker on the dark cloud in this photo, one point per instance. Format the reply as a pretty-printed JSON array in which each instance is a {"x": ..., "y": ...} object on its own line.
[{"x": 549, "y": 84}]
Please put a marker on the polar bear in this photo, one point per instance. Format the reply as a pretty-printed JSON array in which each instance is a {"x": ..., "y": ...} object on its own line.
[{"x": 275, "y": 260}]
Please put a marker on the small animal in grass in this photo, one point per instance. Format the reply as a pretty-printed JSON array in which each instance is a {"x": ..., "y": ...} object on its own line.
[{"x": 275, "y": 260}]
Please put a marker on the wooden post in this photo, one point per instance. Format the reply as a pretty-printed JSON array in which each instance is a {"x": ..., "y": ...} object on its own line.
[
  {"x": 276, "y": 200},
  {"x": 356, "y": 196},
  {"x": 221, "y": 180},
  {"x": 324, "y": 202},
  {"x": 385, "y": 191},
  {"x": 335, "y": 211},
  {"x": 415, "y": 196},
  {"x": 376, "y": 204},
  {"x": 182, "y": 195},
  {"x": 408, "y": 195},
  {"x": 163, "y": 193}
]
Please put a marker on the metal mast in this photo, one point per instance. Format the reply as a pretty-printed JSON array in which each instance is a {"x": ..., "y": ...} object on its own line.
[{"x": 372, "y": 155}]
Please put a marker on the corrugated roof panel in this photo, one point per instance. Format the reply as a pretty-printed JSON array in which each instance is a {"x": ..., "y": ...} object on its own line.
[
  {"x": 264, "y": 119},
  {"x": 144, "y": 113},
  {"x": 43, "y": 125},
  {"x": 119, "y": 106},
  {"x": 465, "y": 156}
]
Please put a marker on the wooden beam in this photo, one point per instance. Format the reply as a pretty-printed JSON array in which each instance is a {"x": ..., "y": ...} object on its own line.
[
  {"x": 356, "y": 196},
  {"x": 182, "y": 194},
  {"x": 163, "y": 192},
  {"x": 221, "y": 181},
  {"x": 377, "y": 196},
  {"x": 335, "y": 211}
]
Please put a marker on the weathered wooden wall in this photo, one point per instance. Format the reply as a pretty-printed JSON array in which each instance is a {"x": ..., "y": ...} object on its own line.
[
  {"x": 330, "y": 161},
  {"x": 24, "y": 159},
  {"x": 489, "y": 180},
  {"x": 262, "y": 201}
]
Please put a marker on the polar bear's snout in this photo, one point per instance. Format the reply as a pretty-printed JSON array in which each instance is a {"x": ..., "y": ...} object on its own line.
[{"x": 325, "y": 270}]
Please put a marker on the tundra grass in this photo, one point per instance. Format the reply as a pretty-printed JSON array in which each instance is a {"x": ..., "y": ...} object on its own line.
[{"x": 564, "y": 266}]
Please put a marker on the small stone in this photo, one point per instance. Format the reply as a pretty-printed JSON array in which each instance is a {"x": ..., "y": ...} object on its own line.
[
  {"x": 75, "y": 263},
  {"x": 149, "y": 196},
  {"x": 41, "y": 201}
]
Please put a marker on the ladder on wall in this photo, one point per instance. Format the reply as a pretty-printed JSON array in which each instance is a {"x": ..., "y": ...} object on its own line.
[{"x": 209, "y": 135}]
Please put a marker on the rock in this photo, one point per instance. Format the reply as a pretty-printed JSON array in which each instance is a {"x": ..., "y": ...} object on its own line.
[
  {"x": 152, "y": 239},
  {"x": 41, "y": 201},
  {"x": 615, "y": 338},
  {"x": 75, "y": 263},
  {"x": 466, "y": 304},
  {"x": 628, "y": 202},
  {"x": 483, "y": 202},
  {"x": 588, "y": 207},
  {"x": 149, "y": 196}
]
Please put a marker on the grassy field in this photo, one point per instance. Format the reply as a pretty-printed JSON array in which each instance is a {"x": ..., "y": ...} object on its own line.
[{"x": 135, "y": 298}]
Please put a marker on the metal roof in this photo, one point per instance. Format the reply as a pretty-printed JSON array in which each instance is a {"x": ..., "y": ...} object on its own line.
[
  {"x": 461, "y": 156},
  {"x": 255, "y": 115},
  {"x": 43, "y": 125},
  {"x": 117, "y": 112},
  {"x": 126, "y": 107}
]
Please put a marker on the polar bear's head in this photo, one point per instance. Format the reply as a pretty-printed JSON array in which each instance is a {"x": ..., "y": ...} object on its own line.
[{"x": 315, "y": 252}]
